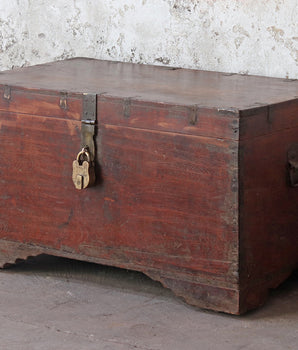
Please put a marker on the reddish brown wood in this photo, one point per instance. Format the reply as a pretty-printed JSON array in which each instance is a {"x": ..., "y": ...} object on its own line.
[
  {"x": 191, "y": 176},
  {"x": 43, "y": 103},
  {"x": 190, "y": 120}
]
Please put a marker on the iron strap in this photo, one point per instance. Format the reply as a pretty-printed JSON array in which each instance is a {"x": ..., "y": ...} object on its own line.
[{"x": 88, "y": 123}]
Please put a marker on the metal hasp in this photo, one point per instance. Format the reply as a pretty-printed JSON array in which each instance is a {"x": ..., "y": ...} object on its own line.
[
  {"x": 88, "y": 124},
  {"x": 83, "y": 172},
  {"x": 293, "y": 165}
]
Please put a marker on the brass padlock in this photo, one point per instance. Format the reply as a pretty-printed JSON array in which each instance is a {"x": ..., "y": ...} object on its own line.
[{"x": 83, "y": 174}]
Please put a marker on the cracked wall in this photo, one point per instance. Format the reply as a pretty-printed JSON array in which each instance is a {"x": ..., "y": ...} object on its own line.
[{"x": 253, "y": 37}]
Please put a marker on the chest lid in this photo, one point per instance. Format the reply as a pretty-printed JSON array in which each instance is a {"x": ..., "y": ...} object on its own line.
[{"x": 181, "y": 96}]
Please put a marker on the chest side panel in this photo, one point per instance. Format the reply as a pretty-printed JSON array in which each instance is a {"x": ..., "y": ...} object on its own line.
[{"x": 268, "y": 204}]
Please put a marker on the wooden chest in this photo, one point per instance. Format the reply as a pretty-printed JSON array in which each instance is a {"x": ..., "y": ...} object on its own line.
[{"x": 196, "y": 175}]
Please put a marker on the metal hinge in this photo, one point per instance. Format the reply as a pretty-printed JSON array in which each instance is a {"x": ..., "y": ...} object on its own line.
[
  {"x": 7, "y": 92},
  {"x": 193, "y": 115},
  {"x": 63, "y": 100}
]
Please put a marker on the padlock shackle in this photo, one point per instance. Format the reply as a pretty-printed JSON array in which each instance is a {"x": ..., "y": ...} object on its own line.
[{"x": 85, "y": 152}]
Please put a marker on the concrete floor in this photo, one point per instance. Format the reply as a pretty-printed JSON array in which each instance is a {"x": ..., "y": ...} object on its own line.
[{"x": 51, "y": 303}]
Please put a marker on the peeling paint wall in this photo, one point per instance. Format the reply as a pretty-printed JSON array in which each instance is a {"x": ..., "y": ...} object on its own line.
[{"x": 247, "y": 36}]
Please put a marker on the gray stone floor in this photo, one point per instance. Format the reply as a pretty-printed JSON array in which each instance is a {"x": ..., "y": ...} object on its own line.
[{"x": 52, "y": 303}]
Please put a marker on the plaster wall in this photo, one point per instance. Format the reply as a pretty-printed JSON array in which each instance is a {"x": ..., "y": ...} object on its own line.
[{"x": 242, "y": 36}]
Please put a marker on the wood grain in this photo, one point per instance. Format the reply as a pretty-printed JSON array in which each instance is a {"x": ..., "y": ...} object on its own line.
[
  {"x": 153, "y": 83},
  {"x": 151, "y": 190}
]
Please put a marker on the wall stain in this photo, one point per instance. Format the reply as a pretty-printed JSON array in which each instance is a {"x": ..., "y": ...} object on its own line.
[
  {"x": 279, "y": 36},
  {"x": 164, "y": 60},
  {"x": 240, "y": 30}
]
